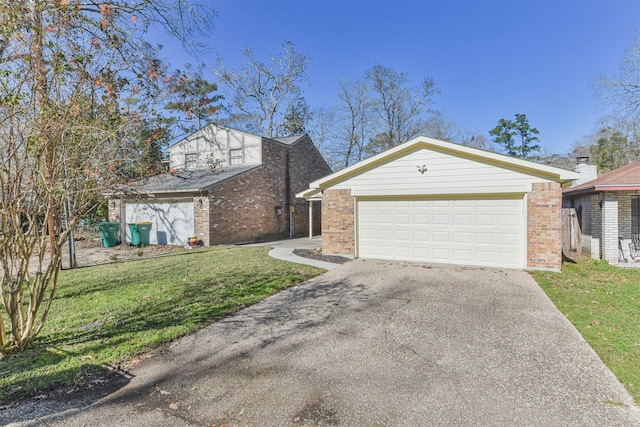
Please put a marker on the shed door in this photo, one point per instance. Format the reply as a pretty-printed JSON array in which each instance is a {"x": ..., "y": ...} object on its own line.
[
  {"x": 172, "y": 220},
  {"x": 478, "y": 232}
]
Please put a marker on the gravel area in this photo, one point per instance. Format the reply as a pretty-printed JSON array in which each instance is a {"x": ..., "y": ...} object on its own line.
[{"x": 317, "y": 255}]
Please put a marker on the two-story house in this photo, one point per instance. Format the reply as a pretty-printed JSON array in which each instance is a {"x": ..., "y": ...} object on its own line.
[{"x": 225, "y": 186}]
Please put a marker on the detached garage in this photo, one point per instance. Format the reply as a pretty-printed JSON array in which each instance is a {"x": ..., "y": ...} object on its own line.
[{"x": 437, "y": 202}]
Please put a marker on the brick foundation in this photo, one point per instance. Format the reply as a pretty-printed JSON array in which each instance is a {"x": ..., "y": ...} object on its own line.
[
  {"x": 544, "y": 227},
  {"x": 338, "y": 232}
]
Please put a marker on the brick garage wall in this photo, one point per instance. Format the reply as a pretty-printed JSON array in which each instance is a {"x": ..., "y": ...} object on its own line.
[
  {"x": 338, "y": 223},
  {"x": 305, "y": 165},
  {"x": 115, "y": 209},
  {"x": 201, "y": 221},
  {"x": 544, "y": 227}
]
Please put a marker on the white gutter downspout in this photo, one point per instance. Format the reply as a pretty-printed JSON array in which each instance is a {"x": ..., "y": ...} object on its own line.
[{"x": 310, "y": 219}]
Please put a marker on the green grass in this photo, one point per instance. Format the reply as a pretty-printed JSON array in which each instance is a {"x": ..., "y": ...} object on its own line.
[
  {"x": 105, "y": 315},
  {"x": 603, "y": 302}
]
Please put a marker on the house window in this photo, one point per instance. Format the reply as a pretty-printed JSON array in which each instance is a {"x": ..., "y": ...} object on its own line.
[
  {"x": 191, "y": 161},
  {"x": 635, "y": 214},
  {"x": 235, "y": 157}
]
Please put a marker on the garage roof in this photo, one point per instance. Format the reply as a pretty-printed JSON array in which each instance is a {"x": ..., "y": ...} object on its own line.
[
  {"x": 548, "y": 172},
  {"x": 187, "y": 181}
]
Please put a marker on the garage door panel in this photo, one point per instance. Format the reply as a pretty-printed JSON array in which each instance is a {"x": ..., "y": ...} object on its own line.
[
  {"x": 462, "y": 256},
  {"x": 403, "y": 219},
  {"x": 462, "y": 238},
  {"x": 484, "y": 220},
  {"x": 483, "y": 232},
  {"x": 441, "y": 219},
  {"x": 421, "y": 236},
  {"x": 402, "y": 235},
  {"x": 462, "y": 219},
  {"x": 441, "y": 254},
  {"x": 441, "y": 237}
]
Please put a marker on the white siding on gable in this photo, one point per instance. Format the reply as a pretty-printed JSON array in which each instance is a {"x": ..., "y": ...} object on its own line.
[
  {"x": 216, "y": 141},
  {"x": 445, "y": 174}
]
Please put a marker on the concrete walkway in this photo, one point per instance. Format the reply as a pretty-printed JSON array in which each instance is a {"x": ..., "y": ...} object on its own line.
[{"x": 283, "y": 249}]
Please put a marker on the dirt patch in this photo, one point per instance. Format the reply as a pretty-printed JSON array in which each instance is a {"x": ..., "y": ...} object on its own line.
[
  {"x": 316, "y": 254},
  {"x": 89, "y": 251}
]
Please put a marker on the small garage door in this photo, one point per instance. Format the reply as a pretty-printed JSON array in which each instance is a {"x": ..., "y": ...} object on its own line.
[
  {"x": 172, "y": 220},
  {"x": 479, "y": 232}
]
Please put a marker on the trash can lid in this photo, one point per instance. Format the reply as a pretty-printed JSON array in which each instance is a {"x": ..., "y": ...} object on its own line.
[{"x": 144, "y": 223}]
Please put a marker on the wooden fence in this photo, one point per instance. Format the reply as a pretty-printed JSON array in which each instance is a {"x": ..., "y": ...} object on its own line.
[{"x": 571, "y": 235}]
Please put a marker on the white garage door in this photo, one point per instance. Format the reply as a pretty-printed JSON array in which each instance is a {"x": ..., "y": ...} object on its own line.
[
  {"x": 468, "y": 232},
  {"x": 172, "y": 221}
]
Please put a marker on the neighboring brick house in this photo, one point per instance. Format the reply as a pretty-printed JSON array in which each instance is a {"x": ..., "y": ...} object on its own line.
[
  {"x": 225, "y": 186},
  {"x": 608, "y": 209},
  {"x": 438, "y": 202}
]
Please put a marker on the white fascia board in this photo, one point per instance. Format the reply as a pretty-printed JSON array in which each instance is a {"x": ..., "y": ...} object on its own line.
[{"x": 310, "y": 194}]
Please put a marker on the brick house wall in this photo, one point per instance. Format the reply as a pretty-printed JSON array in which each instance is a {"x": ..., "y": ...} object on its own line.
[
  {"x": 255, "y": 206},
  {"x": 252, "y": 206},
  {"x": 338, "y": 228},
  {"x": 544, "y": 227},
  {"x": 305, "y": 165},
  {"x": 604, "y": 218}
]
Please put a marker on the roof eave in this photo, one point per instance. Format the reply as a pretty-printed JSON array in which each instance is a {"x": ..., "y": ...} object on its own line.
[{"x": 601, "y": 188}]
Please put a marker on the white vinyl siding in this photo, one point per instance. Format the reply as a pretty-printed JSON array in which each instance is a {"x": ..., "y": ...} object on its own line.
[
  {"x": 172, "y": 221},
  {"x": 216, "y": 142},
  {"x": 477, "y": 232},
  {"x": 445, "y": 174}
]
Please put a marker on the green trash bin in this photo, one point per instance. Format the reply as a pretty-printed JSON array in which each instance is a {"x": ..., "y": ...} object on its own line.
[
  {"x": 140, "y": 232},
  {"x": 110, "y": 233},
  {"x": 144, "y": 228},
  {"x": 135, "y": 234}
]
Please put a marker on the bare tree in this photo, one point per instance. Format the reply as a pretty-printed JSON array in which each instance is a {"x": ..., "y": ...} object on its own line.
[
  {"x": 323, "y": 133},
  {"x": 401, "y": 109},
  {"x": 355, "y": 119},
  {"x": 75, "y": 100},
  {"x": 622, "y": 92},
  {"x": 261, "y": 91}
]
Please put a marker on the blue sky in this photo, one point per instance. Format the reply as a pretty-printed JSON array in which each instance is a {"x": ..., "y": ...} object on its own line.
[{"x": 489, "y": 59}]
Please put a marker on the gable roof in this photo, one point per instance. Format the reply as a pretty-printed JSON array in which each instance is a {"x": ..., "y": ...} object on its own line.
[
  {"x": 624, "y": 178},
  {"x": 186, "y": 181},
  {"x": 531, "y": 168}
]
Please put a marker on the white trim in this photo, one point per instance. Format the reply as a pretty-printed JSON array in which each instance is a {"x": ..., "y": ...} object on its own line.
[
  {"x": 525, "y": 229},
  {"x": 311, "y": 219},
  {"x": 356, "y": 243}
]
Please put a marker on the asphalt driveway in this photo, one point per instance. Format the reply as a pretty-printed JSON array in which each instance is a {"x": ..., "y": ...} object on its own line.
[{"x": 372, "y": 343}]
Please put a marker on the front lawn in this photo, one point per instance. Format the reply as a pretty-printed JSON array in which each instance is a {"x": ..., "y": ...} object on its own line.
[
  {"x": 105, "y": 315},
  {"x": 603, "y": 302}
]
